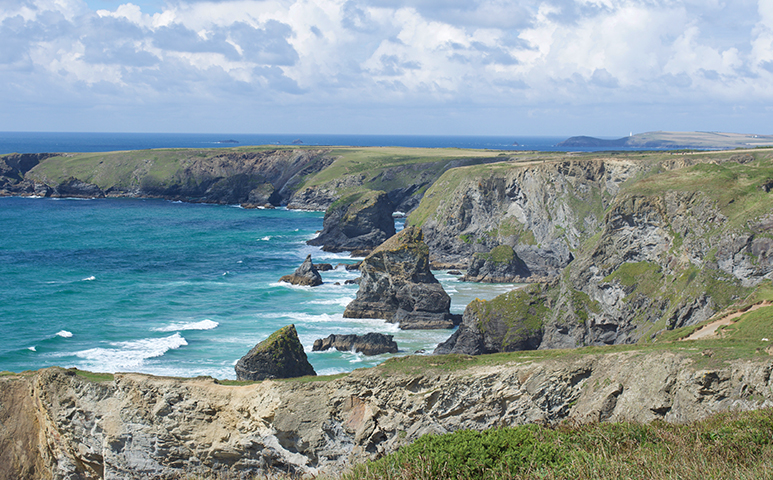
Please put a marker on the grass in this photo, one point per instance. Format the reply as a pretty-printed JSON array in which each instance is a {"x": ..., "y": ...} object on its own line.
[{"x": 731, "y": 445}]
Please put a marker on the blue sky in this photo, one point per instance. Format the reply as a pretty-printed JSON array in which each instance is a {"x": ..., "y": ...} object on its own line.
[{"x": 500, "y": 67}]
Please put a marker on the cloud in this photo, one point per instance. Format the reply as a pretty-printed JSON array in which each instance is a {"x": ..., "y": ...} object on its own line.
[{"x": 329, "y": 55}]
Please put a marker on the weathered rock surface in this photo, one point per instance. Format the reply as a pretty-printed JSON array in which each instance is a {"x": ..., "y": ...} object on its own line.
[
  {"x": 500, "y": 265},
  {"x": 510, "y": 322},
  {"x": 281, "y": 355},
  {"x": 360, "y": 223},
  {"x": 398, "y": 286},
  {"x": 670, "y": 253},
  {"x": 543, "y": 210},
  {"x": 306, "y": 274},
  {"x": 368, "y": 344},
  {"x": 59, "y": 425}
]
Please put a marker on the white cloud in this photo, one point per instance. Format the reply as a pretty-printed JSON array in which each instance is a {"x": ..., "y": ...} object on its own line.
[{"x": 327, "y": 55}]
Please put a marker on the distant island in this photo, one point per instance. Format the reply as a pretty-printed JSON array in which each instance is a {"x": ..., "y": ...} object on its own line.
[
  {"x": 228, "y": 141},
  {"x": 674, "y": 140}
]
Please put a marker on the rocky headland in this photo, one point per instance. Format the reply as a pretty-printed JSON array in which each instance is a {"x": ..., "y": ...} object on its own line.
[{"x": 359, "y": 222}]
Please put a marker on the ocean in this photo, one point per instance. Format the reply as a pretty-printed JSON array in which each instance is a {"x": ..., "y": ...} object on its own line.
[
  {"x": 43, "y": 142},
  {"x": 177, "y": 289}
]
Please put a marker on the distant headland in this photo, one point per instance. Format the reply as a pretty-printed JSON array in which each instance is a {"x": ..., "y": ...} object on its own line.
[{"x": 674, "y": 140}]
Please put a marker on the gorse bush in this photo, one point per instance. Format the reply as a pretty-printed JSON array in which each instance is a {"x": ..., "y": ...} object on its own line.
[
  {"x": 470, "y": 454},
  {"x": 727, "y": 446}
]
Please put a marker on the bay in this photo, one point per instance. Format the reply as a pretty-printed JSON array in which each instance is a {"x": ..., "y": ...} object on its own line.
[{"x": 172, "y": 288}]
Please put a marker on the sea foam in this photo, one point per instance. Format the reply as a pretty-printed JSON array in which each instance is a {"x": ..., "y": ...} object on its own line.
[
  {"x": 180, "y": 326},
  {"x": 64, "y": 334},
  {"x": 131, "y": 354}
]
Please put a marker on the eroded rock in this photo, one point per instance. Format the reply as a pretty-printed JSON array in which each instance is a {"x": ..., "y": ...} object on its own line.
[
  {"x": 368, "y": 344},
  {"x": 281, "y": 355},
  {"x": 358, "y": 223},
  {"x": 398, "y": 286},
  {"x": 306, "y": 274}
]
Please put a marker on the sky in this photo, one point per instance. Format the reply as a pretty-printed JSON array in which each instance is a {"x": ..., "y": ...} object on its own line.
[{"x": 443, "y": 67}]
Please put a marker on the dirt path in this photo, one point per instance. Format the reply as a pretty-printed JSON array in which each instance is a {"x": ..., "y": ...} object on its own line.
[{"x": 710, "y": 330}]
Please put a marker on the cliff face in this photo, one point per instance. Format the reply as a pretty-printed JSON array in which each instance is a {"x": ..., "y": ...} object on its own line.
[
  {"x": 56, "y": 424},
  {"x": 673, "y": 249},
  {"x": 544, "y": 210}
]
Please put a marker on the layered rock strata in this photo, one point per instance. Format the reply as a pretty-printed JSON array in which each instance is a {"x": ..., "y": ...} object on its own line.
[
  {"x": 673, "y": 250},
  {"x": 59, "y": 424},
  {"x": 368, "y": 344},
  {"x": 281, "y": 355},
  {"x": 398, "y": 286}
]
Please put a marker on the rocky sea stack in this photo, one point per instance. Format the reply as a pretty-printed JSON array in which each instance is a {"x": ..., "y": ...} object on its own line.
[
  {"x": 281, "y": 355},
  {"x": 306, "y": 275},
  {"x": 368, "y": 344},
  {"x": 359, "y": 222},
  {"x": 398, "y": 286}
]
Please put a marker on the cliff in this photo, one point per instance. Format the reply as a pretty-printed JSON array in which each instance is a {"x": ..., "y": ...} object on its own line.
[
  {"x": 673, "y": 248},
  {"x": 299, "y": 177},
  {"x": 68, "y": 424},
  {"x": 544, "y": 209}
]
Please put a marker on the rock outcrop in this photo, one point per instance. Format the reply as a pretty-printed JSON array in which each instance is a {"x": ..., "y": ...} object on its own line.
[
  {"x": 59, "y": 424},
  {"x": 500, "y": 265},
  {"x": 368, "y": 344},
  {"x": 281, "y": 355},
  {"x": 673, "y": 250},
  {"x": 306, "y": 275},
  {"x": 359, "y": 222},
  {"x": 398, "y": 286},
  {"x": 510, "y": 322},
  {"x": 543, "y": 209}
]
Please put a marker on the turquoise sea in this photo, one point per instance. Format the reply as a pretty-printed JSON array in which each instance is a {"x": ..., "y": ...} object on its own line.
[{"x": 172, "y": 288}]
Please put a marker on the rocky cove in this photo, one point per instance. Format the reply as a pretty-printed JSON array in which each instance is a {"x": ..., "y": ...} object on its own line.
[{"x": 625, "y": 253}]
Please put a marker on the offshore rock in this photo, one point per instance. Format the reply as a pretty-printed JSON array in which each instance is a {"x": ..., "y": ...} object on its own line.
[
  {"x": 281, "y": 355},
  {"x": 509, "y": 322},
  {"x": 368, "y": 344},
  {"x": 500, "y": 265},
  {"x": 357, "y": 223},
  {"x": 398, "y": 286},
  {"x": 306, "y": 275}
]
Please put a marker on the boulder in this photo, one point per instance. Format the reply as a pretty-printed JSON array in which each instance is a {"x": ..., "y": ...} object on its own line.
[
  {"x": 398, "y": 286},
  {"x": 368, "y": 344},
  {"x": 500, "y": 265},
  {"x": 360, "y": 222},
  {"x": 306, "y": 275},
  {"x": 281, "y": 355}
]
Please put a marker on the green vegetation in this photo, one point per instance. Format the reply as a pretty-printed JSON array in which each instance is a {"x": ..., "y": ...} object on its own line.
[
  {"x": 499, "y": 254},
  {"x": 731, "y": 445},
  {"x": 522, "y": 311},
  {"x": 92, "y": 376}
]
